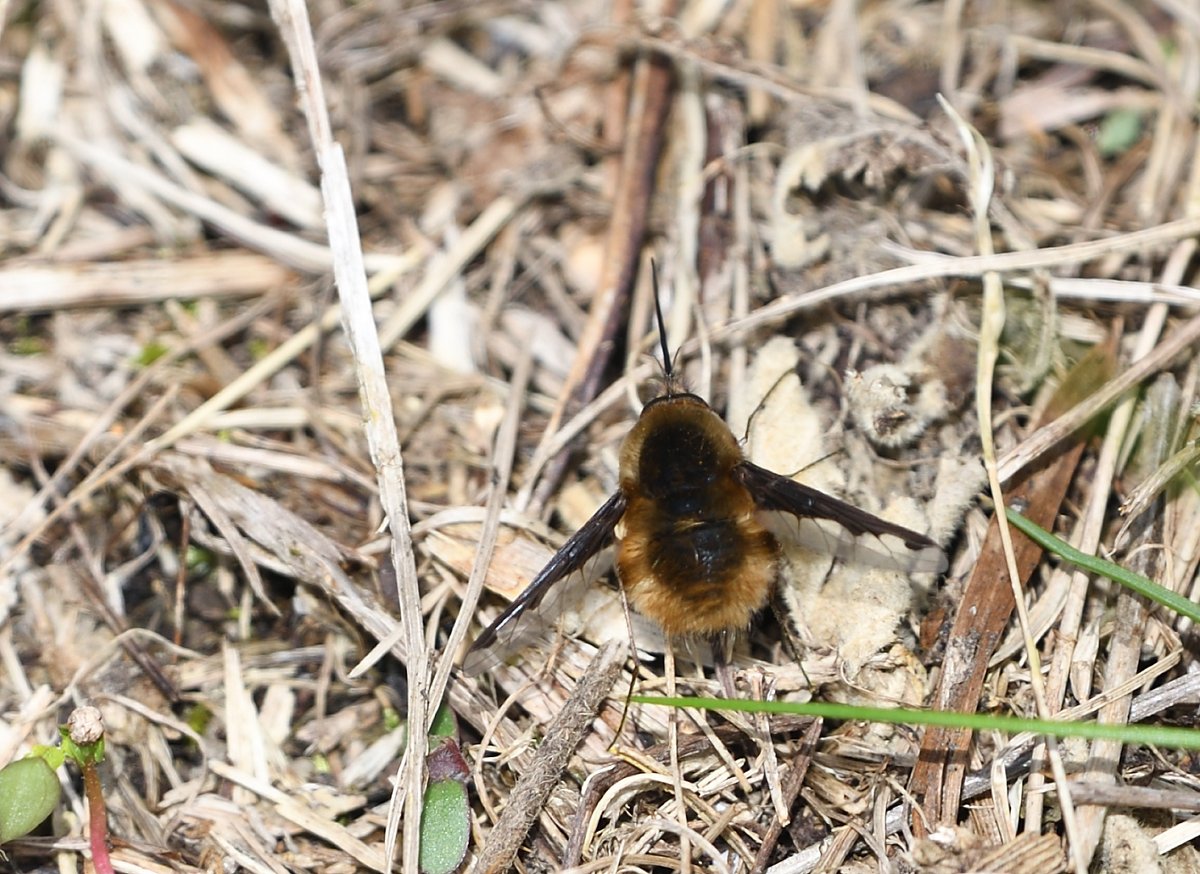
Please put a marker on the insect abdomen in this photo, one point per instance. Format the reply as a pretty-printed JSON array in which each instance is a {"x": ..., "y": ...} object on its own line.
[
  {"x": 693, "y": 555},
  {"x": 697, "y": 577}
]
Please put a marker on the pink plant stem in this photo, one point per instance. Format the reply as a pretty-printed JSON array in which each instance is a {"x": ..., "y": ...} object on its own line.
[{"x": 97, "y": 820}]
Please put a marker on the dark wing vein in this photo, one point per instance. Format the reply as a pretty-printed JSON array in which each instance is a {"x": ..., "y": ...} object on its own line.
[
  {"x": 779, "y": 493},
  {"x": 499, "y": 639}
]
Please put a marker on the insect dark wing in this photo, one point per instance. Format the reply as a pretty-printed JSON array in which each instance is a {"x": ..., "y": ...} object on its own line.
[
  {"x": 517, "y": 624},
  {"x": 779, "y": 493}
]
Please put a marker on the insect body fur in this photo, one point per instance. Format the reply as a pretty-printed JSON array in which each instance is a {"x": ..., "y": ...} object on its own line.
[{"x": 692, "y": 553}]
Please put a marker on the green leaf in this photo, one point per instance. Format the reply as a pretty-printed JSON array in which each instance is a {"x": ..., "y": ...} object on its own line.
[
  {"x": 445, "y": 827},
  {"x": 27, "y": 346},
  {"x": 443, "y": 723},
  {"x": 150, "y": 353},
  {"x": 29, "y": 792},
  {"x": 83, "y": 754},
  {"x": 54, "y": 756},
  {"x": 1119, "y": 131},
  {"x": 198, "y": 718},
  {"x": 391, "y": 719}
]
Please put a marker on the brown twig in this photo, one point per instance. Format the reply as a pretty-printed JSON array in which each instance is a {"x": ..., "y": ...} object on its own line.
[
  {"x": 791, "y": 791},
  {"x": 562, "y": 737},
  {"x": 647, "y": 116}
]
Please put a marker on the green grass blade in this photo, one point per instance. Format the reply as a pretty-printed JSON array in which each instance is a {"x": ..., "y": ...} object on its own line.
[
  {"x": 1116, "y": 573},
  {"x": 1158, "y": 735}
]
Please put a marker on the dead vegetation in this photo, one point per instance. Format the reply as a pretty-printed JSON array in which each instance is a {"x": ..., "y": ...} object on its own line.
[{"x": 192, "y": 509}]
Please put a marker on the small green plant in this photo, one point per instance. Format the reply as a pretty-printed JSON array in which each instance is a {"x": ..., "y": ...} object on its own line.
[
  {"x": 83, "y": 741},
  {"x": 446, "y": 815},
  {"x": 29, "y": 788},
  {"x": 29, "y": 792}
]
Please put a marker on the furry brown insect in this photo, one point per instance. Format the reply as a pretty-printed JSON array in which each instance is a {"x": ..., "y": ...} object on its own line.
[{"x": 693, "y": 551}]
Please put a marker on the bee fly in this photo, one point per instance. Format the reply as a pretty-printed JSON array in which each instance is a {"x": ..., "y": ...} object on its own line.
[{"x": 693, "y": 551}]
